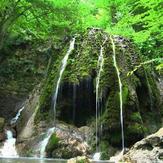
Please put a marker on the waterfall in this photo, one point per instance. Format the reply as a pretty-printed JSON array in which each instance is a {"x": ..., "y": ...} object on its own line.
[
  {"x": 100, "y": 64},
  {"x": 45, "y": 142},
  {"x": 120, "y": 92},
  {"x": 74, "y": 103},
  {"x": 14, "y": 120},
  {"x": 9, "y": 149},
  {"x": 63, "y": 66}
]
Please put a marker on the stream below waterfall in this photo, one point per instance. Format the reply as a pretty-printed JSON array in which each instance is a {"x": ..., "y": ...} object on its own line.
[
  {"x": 39, "y": 160},
  {"x": 30, "y": 160}
]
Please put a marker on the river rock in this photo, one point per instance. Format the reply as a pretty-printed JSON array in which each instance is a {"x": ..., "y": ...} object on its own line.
[{"x": 148, "y": 150}]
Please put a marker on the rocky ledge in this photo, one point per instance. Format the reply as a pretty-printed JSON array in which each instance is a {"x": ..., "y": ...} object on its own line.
[{"x": 148, "y": 150}]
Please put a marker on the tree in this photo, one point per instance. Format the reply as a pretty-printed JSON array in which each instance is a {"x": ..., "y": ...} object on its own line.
[
  {"x": 10, "y": 11},
  {"x": 37, "y": 18}
]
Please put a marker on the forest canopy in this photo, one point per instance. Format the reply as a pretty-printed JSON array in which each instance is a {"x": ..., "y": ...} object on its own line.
[{"x": 139, "y": 20}]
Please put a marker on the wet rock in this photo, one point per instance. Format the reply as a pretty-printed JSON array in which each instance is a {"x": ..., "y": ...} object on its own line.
[
  {"x": 25, "y": 124},
  {"x": 9, "y": 104},
  {"x": 149, "y": 149},
  {"x": 2, "y": 137},
  {"x": 71, "y": 143},
  {"x": 79, "y": 159},
  {"x": 2, "y": 123}
]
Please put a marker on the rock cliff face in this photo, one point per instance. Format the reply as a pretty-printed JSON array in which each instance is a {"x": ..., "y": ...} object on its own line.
[
  {"x": 22, "y": 67},
  {"x": 141, "y": 102},
  {"x": 150, "y": 149},
  {"x": 76, "y": 103}
]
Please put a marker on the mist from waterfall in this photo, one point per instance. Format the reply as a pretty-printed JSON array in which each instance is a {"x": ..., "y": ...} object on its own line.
[
  {"x": 63, "y": 66},
  {"x": 120, "y": 91},
  {"x": 9, "y": 148}
]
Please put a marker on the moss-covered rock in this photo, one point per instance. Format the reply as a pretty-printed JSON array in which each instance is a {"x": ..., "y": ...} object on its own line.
[
  {"x": 52, "y": 144},
  {"x": 139, "y": 90}
]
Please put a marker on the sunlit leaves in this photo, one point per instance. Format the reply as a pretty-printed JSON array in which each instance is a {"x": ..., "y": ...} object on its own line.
[{"x": 140, "y": 20}]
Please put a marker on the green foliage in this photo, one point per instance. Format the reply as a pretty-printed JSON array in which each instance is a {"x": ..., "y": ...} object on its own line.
[
  {"x": 51, "y": 19},
  {"x": 37, "y": 19},
  {"x": 159, "y": 67}
]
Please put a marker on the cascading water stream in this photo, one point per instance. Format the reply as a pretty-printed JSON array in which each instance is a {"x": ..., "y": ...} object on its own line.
[
  {"x": 63, "y": 66},
  {"x": 45, "y": 142},
  {"x": 100, "y": 64},
  {"x": 120, "y": 92},
  {"x": 9, "y": 148},
  {"x": 14, "y": 120}
]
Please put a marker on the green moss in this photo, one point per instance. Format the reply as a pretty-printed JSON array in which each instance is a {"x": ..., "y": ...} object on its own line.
[
  {"x": 106, "y": 150},
  {"x": 136, "y": 117},
  {"x": 29, "y": 153},
  {"x": 136, "y": 128},
  {"x": 125, "y": 94},
  {"x": 115, "y": 138},
  {"x": 82, "y": 64},
  {"x": 53, "y": 143}
]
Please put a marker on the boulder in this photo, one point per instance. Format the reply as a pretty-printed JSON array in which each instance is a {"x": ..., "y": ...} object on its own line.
[
  {"x": 67, "y": 142},
  {"x": 149, "y": 149}
]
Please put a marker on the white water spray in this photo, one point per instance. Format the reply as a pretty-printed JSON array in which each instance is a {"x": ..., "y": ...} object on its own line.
[
  {"x": 14, "y": 120},
  {"x": 97, "y": 156},
  {"x": 63, "y": 66},
  {"x": 120, "y": 92},
  {"x": 9, "y": 149},
  {"x": 45, "y": 142}
]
